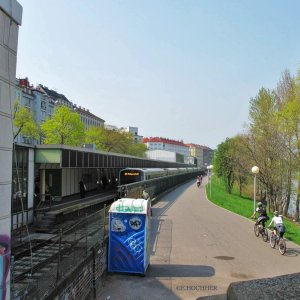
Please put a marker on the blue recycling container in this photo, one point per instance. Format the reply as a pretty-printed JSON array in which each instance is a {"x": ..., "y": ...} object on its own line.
[{"x": 129, "y": 236}]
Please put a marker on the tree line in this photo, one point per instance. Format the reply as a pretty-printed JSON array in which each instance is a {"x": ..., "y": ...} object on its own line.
[
  {"x": 66, "y": 128},
  {"x": 271, "y": 141}
]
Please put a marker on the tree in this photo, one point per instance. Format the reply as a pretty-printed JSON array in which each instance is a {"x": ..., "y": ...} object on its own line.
[
  {"x": 223, "y": 164},
  {"x": 65, "y": 128},
  {"x": 241, "y": 163},
  {"x": 284, "y": 94},
  {"x": 266, "y": 145},
  {"x": 290, "y": 117},
  {"x": 114, "y": 141},
  {"x": 24, "y": 122}
]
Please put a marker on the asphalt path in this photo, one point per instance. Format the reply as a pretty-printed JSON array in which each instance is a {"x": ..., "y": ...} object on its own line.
[{"x": 198, "y": 249}]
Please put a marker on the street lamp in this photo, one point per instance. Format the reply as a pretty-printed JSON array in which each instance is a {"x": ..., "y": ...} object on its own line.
[
  {"x": 255, "y": 171},
  {"x": 209, "y": 169}
]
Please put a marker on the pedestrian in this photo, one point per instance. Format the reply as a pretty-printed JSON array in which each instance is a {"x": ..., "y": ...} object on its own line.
[
  {"x": 198, "y": 181},
  {"x": 82, "y": 189},
  {"x": 104, "y": 182},
  {"x": 145, "y": 194}
]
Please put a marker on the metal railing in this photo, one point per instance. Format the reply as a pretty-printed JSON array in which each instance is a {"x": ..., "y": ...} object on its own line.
[
  {"x": 154, "y": 187},
  {"x": 66, "y": 263}
]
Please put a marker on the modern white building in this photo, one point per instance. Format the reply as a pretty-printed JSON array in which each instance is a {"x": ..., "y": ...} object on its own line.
[
  {"x": 158, "y": 143},
  {"x": 165, "y": 155},
  {"x": 135, "y": 133}
]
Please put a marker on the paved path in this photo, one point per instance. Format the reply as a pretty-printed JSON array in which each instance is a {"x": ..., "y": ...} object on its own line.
[{"x": 198, "y": 249}]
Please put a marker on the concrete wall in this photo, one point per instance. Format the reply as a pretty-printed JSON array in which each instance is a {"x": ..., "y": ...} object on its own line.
[
  {"x": 10, "y": 19},
  {"x": 280, "y": 287}
]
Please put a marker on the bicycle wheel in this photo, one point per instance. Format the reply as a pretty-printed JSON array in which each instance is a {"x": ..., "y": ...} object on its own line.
[
  {"x": 256, "y": 230},
  {"x": 272, "y": 240},
  {"x": 282, "y": 246},
  {"x": 264, "y": 234}
]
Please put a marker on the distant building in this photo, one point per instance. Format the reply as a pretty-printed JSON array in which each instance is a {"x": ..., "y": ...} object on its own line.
[
  {"x": 158, "y": 143},
  {"x": 208, "y": 156},
  {"x": 135, "y": 133},
  {"x": 111, "y": 127},
  {"x": 59, "y": 99},
  {"x": 191, "y": 160},
  {"x": 165, "y": 155},
  {"x": 197, "y": 152},
  {"x": 203, "y": 154},
  {"x": 87, "y": 118},
  {"x": 41, "y": 101}
]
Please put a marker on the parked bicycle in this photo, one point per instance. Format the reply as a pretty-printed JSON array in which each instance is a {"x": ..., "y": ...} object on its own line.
[
  {"x": 260, "y": 230},
  {"x": 277, "y": 240}
]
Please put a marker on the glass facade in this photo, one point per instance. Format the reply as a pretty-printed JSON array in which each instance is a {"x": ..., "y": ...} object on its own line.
[{"x": 20, "y": 179}]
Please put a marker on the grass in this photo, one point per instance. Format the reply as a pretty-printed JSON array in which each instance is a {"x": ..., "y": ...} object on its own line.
[{"x": 244, "y": 206}]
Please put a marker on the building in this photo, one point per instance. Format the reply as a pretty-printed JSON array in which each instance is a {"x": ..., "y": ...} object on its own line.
[
  {"x": 41, "y": 101},
  {"x": 59, "y": 99},
  {"x": 135, "y": 133},
  {"x": 87, "y": 118},
  {"x": 191, "y": 160},
  {"x": 111, "y": 127},
  {"x": 197, "y": 152},
  {"x": 10, "y": 20},
  {"x": 203, "y": 154},
  {"x": 165, "y": 156},
  {"x": 208, "y": 156},
  {"x": 158, "y": 143}
]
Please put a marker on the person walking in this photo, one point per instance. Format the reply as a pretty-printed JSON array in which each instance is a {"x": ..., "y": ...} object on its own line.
[{"x": 82, "y": 189}]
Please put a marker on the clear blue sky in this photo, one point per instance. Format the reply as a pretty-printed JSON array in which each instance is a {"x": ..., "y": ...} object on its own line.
[{"x": 175, "y": 69}]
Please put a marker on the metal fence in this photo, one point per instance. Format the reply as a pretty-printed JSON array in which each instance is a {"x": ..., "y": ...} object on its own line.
[
  {"x": 67, "y": 266},
  {"x": 154, "y": 186}
]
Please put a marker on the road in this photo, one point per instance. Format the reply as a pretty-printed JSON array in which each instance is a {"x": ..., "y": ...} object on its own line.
[{"x": 198, "y": 249}]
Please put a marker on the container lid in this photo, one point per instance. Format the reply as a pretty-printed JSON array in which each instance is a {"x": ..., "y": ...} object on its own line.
[{"x": 129, "y": 205}]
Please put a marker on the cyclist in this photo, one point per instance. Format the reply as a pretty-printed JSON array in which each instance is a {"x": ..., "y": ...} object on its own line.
[
  {"x": 263, "y": 217},
  {"x": 198, "y": 181},
  {"x": 278, "y": 224}
]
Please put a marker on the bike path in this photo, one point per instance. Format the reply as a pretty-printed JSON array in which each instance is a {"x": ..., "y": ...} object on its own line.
[{"x": 198, "y": 249}]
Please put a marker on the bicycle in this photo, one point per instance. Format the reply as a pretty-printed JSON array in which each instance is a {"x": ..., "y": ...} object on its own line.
[
  {"x": 260, "y": 230},
  {"x": 276, "y": 240}
]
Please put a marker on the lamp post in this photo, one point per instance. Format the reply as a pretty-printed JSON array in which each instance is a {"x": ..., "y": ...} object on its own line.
[
  {"x": 209, "y": 168},
  {"x": 255, "y": 171}
]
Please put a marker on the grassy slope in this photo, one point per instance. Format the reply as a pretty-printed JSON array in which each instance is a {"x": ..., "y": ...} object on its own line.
[{"x": 244, "y": 207}]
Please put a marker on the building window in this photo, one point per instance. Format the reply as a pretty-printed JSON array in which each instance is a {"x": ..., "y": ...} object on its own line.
[
  {"x": 43, "y": 115},
  {"x": 43, "y": 105}
]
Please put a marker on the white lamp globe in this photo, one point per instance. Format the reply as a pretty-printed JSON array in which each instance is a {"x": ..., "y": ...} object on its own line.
[{"x": 255, "y": 170}]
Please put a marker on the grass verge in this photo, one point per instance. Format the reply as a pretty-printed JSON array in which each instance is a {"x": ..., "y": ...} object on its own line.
[{"x": 244, "y": 206}]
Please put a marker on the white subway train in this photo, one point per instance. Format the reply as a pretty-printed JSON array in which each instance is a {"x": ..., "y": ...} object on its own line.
[{"x": 131, "y": 175}]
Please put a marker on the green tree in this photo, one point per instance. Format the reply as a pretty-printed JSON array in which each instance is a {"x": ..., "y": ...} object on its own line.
[
  {"x": 224, "y": 164},
  {"x": 290, "y": 117},
  {"x": 65, "y": 128},
  {"x": 24, "y": 122},
  {"x": 265, "y": 144},
  {"x": 285, "y": 92},
  {"x": 137, "y": 149},
  {"x": 114, "y": 141},
  {"x": 241, "y": 163}
]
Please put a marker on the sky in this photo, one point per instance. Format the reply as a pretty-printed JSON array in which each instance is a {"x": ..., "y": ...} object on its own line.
[{"x": 183, "y": 70}]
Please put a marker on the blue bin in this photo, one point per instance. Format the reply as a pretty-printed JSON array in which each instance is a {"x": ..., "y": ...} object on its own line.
[{"x": 129, "y": 236}]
